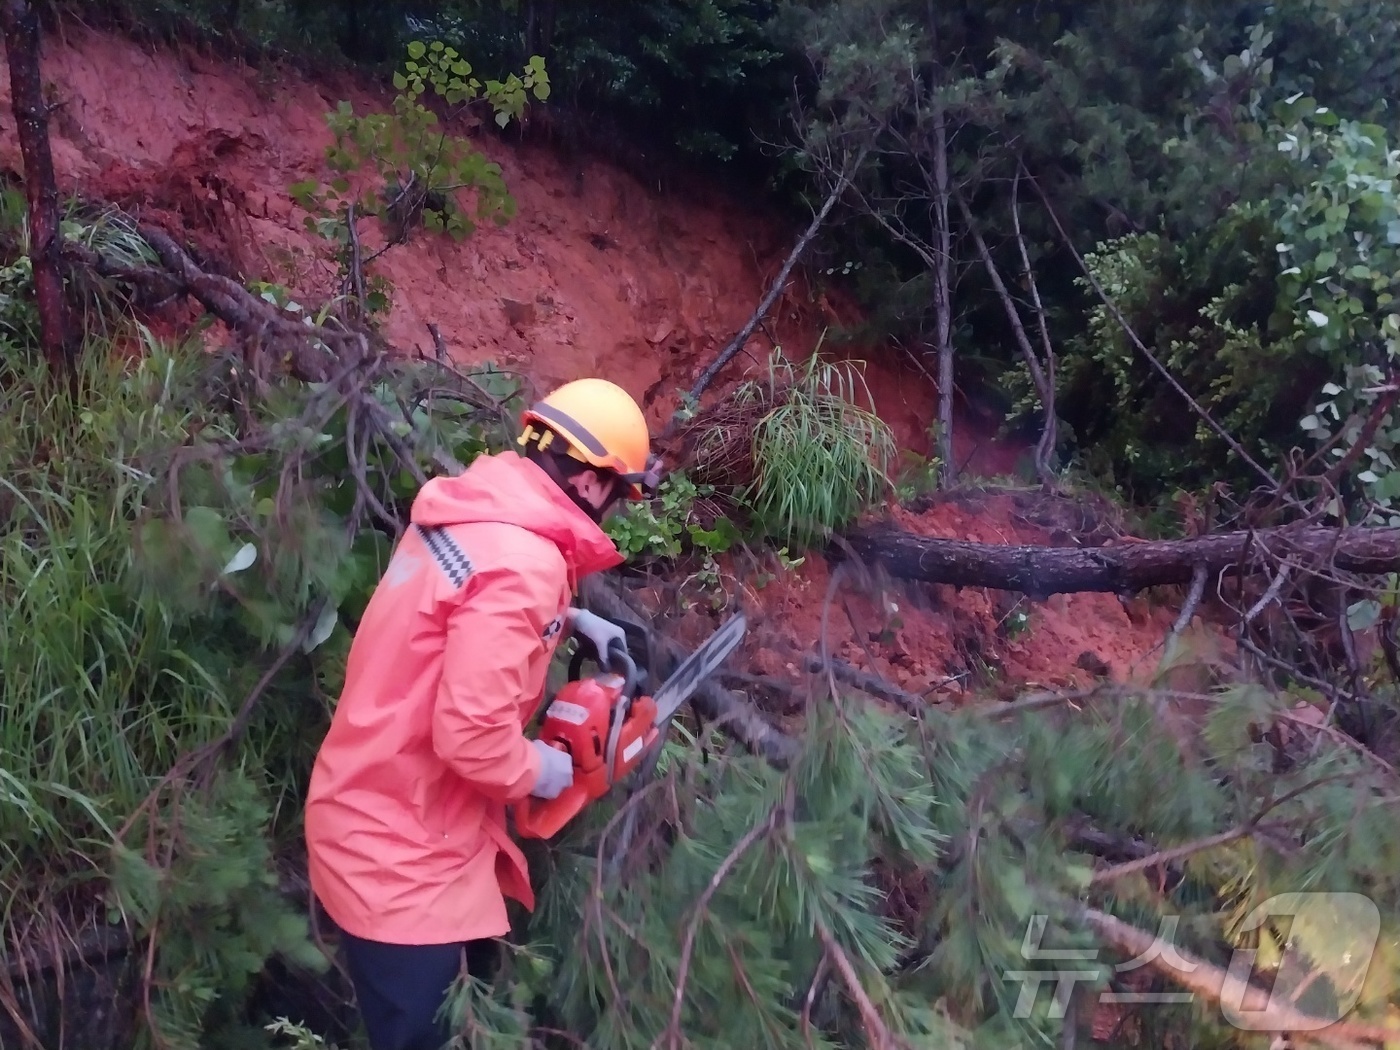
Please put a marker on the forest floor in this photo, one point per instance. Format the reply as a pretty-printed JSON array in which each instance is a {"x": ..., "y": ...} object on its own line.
[{"x": 597, "y": 274}]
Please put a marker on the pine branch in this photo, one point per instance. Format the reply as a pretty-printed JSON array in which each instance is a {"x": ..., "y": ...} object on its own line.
[
  {"x": 672, "y": 1032},
  {"x": 875, "y": 1029}
]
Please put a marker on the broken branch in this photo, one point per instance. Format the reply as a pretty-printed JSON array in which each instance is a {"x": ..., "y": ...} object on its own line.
[
  {"x": 1211, "y": 982},
  {"x": 1193, "y": 599},
  {"x": 775, "y": 289}
]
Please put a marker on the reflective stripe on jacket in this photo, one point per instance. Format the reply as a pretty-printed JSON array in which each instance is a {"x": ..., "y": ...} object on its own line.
[{"x": 406, "y": 814}]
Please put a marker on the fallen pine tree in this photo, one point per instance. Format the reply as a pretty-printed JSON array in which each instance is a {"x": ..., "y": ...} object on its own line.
[{"x": 1123, "y": 568}]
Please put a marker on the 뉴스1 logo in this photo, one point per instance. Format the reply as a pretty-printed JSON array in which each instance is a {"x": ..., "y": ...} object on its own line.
[{"x": 1327, "y": 943}]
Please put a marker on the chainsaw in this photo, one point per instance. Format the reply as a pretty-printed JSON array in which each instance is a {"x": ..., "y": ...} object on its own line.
[{"x": 606, "y": 728}]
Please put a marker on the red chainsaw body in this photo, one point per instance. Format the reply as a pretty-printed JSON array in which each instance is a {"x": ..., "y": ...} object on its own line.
[{"x": 579, "y": 721}]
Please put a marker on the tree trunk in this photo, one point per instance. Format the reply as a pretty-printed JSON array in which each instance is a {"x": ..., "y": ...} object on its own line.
[
  {"x": 1049, "y": 438},
  {"x": 539, "y": 28},
  {"x": 1120, "y": 569},
  {"x": 20, "y": 24},
  {"x": 942, "y": 291},
  {"x": 1044, "y": 387}
]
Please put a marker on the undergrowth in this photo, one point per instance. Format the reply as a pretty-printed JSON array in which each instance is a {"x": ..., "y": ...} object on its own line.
[
  {"x": 181, "y": 565},
  {"x": 106, "y": 688},
  {"x": 796, "y": 453}
]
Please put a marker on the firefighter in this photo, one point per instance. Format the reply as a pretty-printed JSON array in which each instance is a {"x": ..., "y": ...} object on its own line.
[{"x": 406, "y": 812}]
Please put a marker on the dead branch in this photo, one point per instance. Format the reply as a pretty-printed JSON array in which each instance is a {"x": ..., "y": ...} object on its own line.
[
  {"x": 775, "y": 289},
  {"x": 1269, "y": 595},
  {"x": 355, "y": 278},
  {"x": 1120, "y": 569},
  {"x": 1193, "y": 598},
  {"x": 287, "y": 339}
]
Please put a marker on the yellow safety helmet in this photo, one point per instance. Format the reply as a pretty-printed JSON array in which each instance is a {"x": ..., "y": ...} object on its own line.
[{"x": 602, "y": 426}]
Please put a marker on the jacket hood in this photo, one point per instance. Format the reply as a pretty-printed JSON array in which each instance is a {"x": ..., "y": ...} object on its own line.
[{"x": 509, "y": 489}]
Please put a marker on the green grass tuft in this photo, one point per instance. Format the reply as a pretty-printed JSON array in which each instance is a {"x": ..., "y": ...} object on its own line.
[{"x": 819, "y": 457}]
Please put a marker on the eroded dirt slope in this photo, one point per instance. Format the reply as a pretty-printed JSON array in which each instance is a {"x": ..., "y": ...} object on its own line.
[
  {"x": 597, "y": 274},
  {"x": 946, "y": 644}
]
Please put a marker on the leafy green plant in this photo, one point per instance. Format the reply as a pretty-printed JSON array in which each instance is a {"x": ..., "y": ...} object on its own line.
[
  {"x": 917, "y": 476},
  {"x": 420, "y": 169},
  {"x": 1340, "y": 250},
  {"x": 666, "y": 526}
]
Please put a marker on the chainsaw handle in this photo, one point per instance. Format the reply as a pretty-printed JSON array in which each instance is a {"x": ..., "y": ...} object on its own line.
[
  {"x": 543, "y": 818},
  {"x": 617, "y": 661}
]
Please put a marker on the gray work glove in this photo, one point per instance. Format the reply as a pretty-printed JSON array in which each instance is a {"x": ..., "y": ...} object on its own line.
[
  {"x": 556, "y": 770},
  {"x": 600, "y": 633}
]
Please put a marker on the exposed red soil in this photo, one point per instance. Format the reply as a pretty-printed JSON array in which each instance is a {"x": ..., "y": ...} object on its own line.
[
  {"x": 941, "y": 641},
  {"x": 944, "y": 643},
  {"x": 597, "y": 274}
]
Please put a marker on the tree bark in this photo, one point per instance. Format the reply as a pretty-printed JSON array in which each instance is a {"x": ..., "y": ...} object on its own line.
[
  {"x": 20, "y": 25},
  {"x": 1120, "y": 569},
  {"x": 943, "y": 294}
]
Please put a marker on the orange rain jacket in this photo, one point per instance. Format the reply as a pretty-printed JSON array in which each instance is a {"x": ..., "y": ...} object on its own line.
[{"x": 406, "y": 817}]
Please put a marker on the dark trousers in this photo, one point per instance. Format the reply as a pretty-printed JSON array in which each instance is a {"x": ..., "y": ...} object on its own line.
[{"x": 402, "y": 987}]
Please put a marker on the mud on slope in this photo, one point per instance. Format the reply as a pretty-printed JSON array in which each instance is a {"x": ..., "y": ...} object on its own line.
[
  {"x": 595, "y": 274},
  {"x": 944, "y": 643}
]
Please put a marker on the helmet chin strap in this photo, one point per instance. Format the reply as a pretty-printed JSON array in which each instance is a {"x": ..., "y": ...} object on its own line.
[{"x": 539, "y": 440}]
